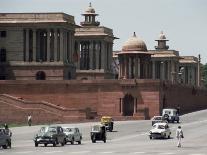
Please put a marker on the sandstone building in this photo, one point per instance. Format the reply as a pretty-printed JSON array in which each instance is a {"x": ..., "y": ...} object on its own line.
[
  {"x": 36, "y": 46},
  {"x": 58, "y": 71}
]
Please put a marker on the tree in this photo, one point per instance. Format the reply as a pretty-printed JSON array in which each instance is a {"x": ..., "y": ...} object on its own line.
[{"x": 204, "y": 74}]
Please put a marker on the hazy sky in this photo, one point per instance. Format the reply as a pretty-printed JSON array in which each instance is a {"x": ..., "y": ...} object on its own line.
[{"x": 183, "y": 21}]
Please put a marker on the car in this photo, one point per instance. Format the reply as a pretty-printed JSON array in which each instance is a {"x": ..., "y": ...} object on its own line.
[
  {"x": 108, "y": 122},
  {"x": 5, "y": 139},
  {"x": 160, "y": 130},
  {"x": 157, "y": 119},
  {"x": 72, "y": 134},
  {"x": 50, "y": 135},
  {"x": 98, "y": 132},
  {"x": 171, "y": 115}
]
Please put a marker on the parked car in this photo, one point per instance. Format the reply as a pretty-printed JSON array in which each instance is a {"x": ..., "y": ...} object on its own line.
[
  {"x": 171, "y": 115},
  {"x": 98, "y": 132},
  {"x": 50, "y": 135},
  {"x": 158, "y": 119},
  {"x": 160, "y": 130},
  {"x": 108, "y": 122},
  {"x": 72, "y": 135},
  {"x": 5, "y": 139}
]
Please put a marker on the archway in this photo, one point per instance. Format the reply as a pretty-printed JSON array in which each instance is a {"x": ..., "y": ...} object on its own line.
[
  {"x": 128, "y": 105},
  {"x": 40, "y": 75}
]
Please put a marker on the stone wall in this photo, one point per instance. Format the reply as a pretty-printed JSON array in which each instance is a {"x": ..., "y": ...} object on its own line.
[
  {"x": 87, "y": 99},
  {"x": 189, "y": 98}
]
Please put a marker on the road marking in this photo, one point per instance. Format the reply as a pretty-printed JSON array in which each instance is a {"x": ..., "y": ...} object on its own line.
[
  {"x": 167, "y": 153},
  {"x": 51, "y": 152},
  {"x": 139, "y": 152},
  {"x": 106, "y": 152},
  {"x": 197, "y": 154},
  {"x": 24, "y": 152},
  {"x": 79, "y": 152}
]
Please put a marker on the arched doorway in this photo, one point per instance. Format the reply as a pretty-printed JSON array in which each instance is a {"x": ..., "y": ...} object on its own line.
[
  {"x": 128, "y": 105},
  {"x": 40, "y": 75}
]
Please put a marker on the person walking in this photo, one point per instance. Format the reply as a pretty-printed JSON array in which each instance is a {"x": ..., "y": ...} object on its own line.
[
  {"x": 179, "y": 135},
  {"x": 29, "y": 120}
]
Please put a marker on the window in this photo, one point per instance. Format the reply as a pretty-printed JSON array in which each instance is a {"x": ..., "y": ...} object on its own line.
[
  {"x": 3, "y": 34},
  {"x": 3, "y": 55}
]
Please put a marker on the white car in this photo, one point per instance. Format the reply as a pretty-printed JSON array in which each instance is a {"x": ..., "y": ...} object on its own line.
[
  {"x": 72, "y": 135},
  {"x": 158, "y": 119},
  {"x": 160, "y": 130}
]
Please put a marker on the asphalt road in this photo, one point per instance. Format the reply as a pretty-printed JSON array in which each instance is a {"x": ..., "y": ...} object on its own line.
[{"x": 129, "y": 137}]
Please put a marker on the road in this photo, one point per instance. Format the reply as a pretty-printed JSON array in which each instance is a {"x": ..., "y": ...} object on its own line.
[{"x": 129, "y": 137}]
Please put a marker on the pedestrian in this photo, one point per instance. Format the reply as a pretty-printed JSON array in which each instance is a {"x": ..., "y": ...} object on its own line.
[
  {"x": 29, "y": 120},
  {"x": 179, "y": 135}
]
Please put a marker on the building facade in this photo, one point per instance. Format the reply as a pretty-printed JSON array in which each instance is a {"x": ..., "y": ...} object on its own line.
[
  {"x": 136, "y": 62},
  {"x": 93, "y": 47},
  {"x": 36, "y": 46}
]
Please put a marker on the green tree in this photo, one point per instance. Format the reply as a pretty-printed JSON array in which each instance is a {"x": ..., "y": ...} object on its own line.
[{"x": 204, "y": 74}]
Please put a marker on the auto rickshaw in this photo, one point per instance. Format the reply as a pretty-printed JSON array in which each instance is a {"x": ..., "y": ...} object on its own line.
[
  {"x": 98, "y": 132},
  {"x": 108, "y": 122}
]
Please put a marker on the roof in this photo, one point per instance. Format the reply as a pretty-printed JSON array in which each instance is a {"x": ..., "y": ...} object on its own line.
[
  {"x": 134, "y": 43},
  {"x": 94, "y": 31},
  {"x": 51, "y": 17},
  {"x": 165, "y": 54},
  {"x": 188, "y": 60}
]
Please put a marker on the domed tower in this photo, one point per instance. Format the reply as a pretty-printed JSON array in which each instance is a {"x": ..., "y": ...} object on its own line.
[
  {"x": 161, "y": 42},
  {"x": 93, "y": 48},
  {"x": 90, "y": 17},
  {"x": 134, "y": 59}
]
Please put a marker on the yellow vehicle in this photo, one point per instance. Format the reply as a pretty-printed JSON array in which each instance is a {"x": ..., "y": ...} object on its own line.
[{"x": 107, "y": 121}]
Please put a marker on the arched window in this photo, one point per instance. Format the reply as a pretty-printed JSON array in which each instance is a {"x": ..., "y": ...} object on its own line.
[
  {"x": 3, "y": 55},
  {"x": 40, "y": 75}
]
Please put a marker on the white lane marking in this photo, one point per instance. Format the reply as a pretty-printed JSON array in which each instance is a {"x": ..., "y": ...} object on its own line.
[
  {"x": 139, "y": 152},
  {"x": 79, "y": 152},
  {"x": 51, "y": 152},
  {"x": 24, "y": 152},
  {"x": 168, "y": 153},
  {"x": 197, "y": 154},
  {"x": 106, "y": 152}
]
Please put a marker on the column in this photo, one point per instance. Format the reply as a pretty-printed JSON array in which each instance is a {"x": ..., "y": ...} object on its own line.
[
  {"x": 103, "y": 55},
  {"x": 61, "y": 45},
  {"x": 91, "y": 54},
  {"x": 97, "y": 48},
  {"x": 153, "y": 69},
  {"x": 55, "y": 44},
  {"x": 48, "y": 45},
  {"x": 27, "y": 45},
  {"x": 172, "y": 71},
  {"x": 121, "y": 105},
  {"x": 138, "y": 68},
  {"x": 34, "y": 44},
  {"x": 168, "y": 70},
  {"x": 162, "y": 70},
  {"x": 127, "y": 67},
  {"x": 120, "y": 66},
  {"x": 135, "y": 106},
  {"x": 78, "y": 53}
]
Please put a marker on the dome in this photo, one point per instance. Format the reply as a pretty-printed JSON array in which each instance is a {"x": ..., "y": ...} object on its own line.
[
  {"x": 161, "y": 36},
  {"x": 90, "y": 9},
  {"x": 134, "y": 44}
]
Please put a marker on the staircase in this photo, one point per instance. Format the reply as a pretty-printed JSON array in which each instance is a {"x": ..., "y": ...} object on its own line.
[{"x": 16, "y": 110}]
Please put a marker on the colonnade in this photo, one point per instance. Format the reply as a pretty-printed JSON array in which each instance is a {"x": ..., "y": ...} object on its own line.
[
  {"x": 94, "y": 54},
  {"x": 42, "y": 45},
  {"x": 133, "y": 67}
]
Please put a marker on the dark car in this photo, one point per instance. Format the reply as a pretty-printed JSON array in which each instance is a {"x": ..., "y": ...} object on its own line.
[
  {"x": 50, "y": 135},
  {"x": 5, "y": 139},
  {"x": 98, "y": 132}
]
